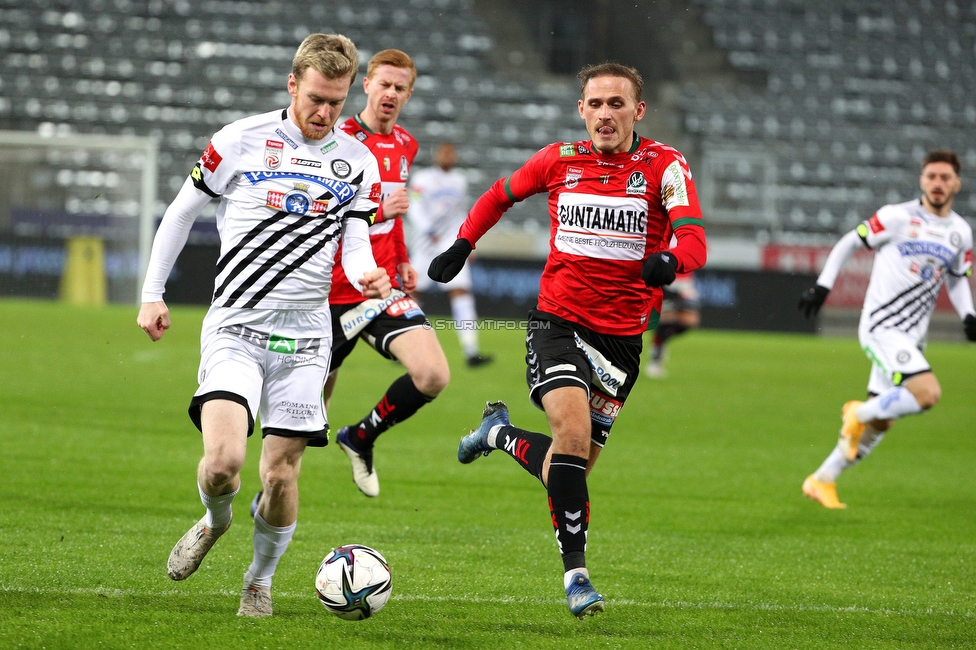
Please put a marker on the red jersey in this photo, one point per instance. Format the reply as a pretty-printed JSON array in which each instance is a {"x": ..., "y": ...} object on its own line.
[
  {"x": 608, "y": 213},
  {"x": 394, "y": 153}
]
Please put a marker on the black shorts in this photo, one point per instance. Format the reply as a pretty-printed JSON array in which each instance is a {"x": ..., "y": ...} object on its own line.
[
  {"x": 377, "y": 322},
  {"x": 560, "y": 353}
]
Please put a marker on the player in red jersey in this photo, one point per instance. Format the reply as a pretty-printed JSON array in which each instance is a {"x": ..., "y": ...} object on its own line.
[
  {"x": 396, "y": 328},
  {"x": 614, "y": 203}
]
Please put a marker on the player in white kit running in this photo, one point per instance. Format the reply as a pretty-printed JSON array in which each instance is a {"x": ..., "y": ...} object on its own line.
[
  {"x": 920, "y": 245},
  {"x": 290, "y": 185},
  {"x": 438, "y": 207}
]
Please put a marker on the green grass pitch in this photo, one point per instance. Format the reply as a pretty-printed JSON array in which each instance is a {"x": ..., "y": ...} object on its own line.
[{"x": 699, "y": 538}]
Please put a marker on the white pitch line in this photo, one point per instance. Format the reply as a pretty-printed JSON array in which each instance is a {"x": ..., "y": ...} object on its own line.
[{"x": 504, "y": 600}]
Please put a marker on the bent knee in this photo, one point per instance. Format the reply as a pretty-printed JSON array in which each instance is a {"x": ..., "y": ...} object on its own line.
[
  {"x": 432, "y": 379},
  {"x": 218, "y": 471}
]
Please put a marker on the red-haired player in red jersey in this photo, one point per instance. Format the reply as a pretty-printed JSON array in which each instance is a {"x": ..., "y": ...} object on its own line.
[
  {"x": 614, "y": 203},
  {"x": 399, "y": 330}
]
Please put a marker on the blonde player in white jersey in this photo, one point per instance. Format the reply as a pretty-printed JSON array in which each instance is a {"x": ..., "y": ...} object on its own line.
[
  {"x": 438, "y": 207},
  {"x": 290, "y": 184},
  {"x": 920, "y": 246}
]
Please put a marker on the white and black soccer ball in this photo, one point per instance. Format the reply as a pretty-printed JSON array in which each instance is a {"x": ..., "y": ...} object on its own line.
[{"x": 354, "y": 582}]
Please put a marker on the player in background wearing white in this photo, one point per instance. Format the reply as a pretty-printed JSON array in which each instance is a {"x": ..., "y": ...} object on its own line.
[
  {"x": 679, "y": 314},
  {"x": 290, "y": 185},
  {"x": 921, "y": 245},
  {"x": 438, "y": 206}
]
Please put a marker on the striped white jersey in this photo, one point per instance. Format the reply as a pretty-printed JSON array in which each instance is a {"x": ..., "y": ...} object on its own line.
[
  {"x": 916, "y": 251},
  {"x": 284, "y": 201}
]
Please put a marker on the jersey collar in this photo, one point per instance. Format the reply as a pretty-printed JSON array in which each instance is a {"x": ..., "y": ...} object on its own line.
[
  {"x": 362, "y": 124},
  {"x": 633, "y": 147}
]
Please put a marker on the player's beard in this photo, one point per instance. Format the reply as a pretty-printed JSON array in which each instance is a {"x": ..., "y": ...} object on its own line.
[
  {"x": 938, "y": 202},
  {"x": 309, "y": 133}
]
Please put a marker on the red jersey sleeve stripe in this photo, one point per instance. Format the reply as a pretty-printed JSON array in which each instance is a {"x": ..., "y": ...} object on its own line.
[
  {"x": 508, "y": 191},
  {"x": 688, "y": 221}
]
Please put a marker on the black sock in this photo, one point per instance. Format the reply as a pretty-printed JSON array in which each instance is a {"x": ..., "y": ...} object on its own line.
[
  {"x": 402, "y": 399},
  {"x": 569, "y": 505},
  {"x": 528, "y": 448},
  {"x": 668, "y": 330}
]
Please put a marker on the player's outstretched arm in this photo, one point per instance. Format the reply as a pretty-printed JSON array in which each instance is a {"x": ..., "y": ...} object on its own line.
[
  {"x": 448, "y": 264},
  {"x": 659, "y": 269},
  {"x": 812, "y": 300},
  {"x": 154, "y": 319},
  {"x": 958, "y": 289}
]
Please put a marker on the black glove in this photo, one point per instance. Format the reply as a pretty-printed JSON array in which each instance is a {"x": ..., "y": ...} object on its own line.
[
  {"x": 969, "y": 324},
  {"x": 659, "y": 269},
  {"x": 812, "y": 300},
  {"x": 448, "y": 264}
]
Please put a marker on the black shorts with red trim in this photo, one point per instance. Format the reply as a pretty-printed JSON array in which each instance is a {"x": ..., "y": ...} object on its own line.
[
  {"x": 560, "y": 353},
  {"x": 399, "y": 316}
]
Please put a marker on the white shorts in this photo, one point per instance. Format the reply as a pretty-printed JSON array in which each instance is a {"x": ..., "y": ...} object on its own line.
[
  {"x": 894, "y": 355},
  {"x": 421, "y": 262},
  {"x": 273, "y": 362}
]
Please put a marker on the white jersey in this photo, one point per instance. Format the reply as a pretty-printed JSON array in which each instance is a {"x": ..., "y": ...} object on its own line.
[
  {"x": 438, "y": 207},
  {"x": 284, "y": 203},
  {"x": 916, "y": 251}
]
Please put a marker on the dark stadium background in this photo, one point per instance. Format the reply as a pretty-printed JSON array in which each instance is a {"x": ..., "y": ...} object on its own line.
[{"x": 798, "y": 120}]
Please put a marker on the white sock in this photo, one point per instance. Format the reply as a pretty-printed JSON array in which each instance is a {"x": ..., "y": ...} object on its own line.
[
  {"x": 832, "y": 466},
  {"x": 270, "y": 543},
  {"x": 219, "y": 510},
  {"x": 568, "y": 576},
  {"x": 465, "y": 319},
  {"x": 895, "y": 403},
  {"x": 493, "y": 435},
  {"x": 836, "y": 462}
]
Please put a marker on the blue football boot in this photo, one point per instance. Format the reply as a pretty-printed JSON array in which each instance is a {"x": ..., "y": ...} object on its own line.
[{"x": 476, "y": 443}]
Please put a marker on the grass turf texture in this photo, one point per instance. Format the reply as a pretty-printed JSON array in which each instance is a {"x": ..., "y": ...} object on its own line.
[{"x": 699, "y": 536}]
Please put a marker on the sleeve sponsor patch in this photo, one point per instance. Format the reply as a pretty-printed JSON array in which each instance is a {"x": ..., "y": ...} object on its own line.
[
  {"x": 566, "y": 150},
  {"x": 875, "y": 224},
  {"x": 210, "y": 158},
  {"x": 376, "y": 192},
  {"x": 674, "y": 191}
]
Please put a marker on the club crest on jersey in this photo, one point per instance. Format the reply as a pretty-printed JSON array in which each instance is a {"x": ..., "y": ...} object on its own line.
[
  {"x": 573, "y": 174},
  {"x": 566, "y": 150},
  {"x": 297, "y": 201},
  {"x": 955, "y": 239},
  {"x": 341, "y": 168},
  {"x": 637, "y": 184},
  {"x": 404, "y": 168},
  {"x": 273, "y": 151},
  {"x": 386, "y": 164}
]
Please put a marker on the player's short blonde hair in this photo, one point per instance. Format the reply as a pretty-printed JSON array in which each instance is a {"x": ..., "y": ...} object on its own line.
[
  {"x": 611, "y": 69},
  {"x": 334, "y": 55},
  {"x": 395, "y": 58}
]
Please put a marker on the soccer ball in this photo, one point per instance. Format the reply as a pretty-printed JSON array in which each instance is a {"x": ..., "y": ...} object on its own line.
[{"x": 354, "y": 582}]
